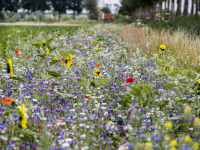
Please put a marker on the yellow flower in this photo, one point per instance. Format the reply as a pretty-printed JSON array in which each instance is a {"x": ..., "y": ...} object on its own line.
[
  {"x": 173, "y": 143},
  {"x": 22, "y": 109},
  {"x": 187, "y": 139},
  {"x": 148, "y": 145},
  {"x": 162, "y": 47},
  {"x": 172, "y": 148},
  {"x": 195, "y": 145},
  {"x": 168, "y": 125},
  {"x": 168, "y": 70},
  {"x": 187, "y": 109},
  {"x": 10, "y": 67},
  {"x": 167, "y": 138},
  {"x": 69, "y": 61},
  {"x": 198, "y": 81},
  {"x": 47, "y": 50},
  {"x": 98, "y": 73},
  {"x": 55, "y": 58},
  {"x": 197, "y": 121},
  {"x": 23, "y": 122}
]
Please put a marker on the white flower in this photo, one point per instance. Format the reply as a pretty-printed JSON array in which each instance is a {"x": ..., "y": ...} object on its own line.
[{"x": 124, "y": 147}]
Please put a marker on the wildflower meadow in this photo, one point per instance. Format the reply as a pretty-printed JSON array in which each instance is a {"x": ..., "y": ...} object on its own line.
[{"x": 86, "y": 91}]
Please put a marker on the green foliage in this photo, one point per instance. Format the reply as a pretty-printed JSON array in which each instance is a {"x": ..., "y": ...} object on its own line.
[
  {"x": 106, "y": 10},
  {"x": 91, "y": 5}
]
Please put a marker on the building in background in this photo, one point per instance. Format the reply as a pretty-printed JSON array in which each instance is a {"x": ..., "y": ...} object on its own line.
[{"x": 112, "y": 4}]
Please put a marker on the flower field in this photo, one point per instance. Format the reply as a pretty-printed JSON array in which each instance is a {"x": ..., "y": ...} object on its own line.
[{"x": 84, "y": 91}]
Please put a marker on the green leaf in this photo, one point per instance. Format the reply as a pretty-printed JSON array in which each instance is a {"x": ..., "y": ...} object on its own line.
[
  {"x": 51, "y": 49},
  {"x": 53, "y": 62},
  {"x": 81, "y": 83},
  {"x": 66, "y": 95},
  {"x": 170, "y": 85},
  {"x": 30, "y": 132},
  {"x": 48, "y": 42},
  {"x": 56, "y": 84},
  {"x": 37, "y": 45},
  {"x": 43, "y": 56},
  {"x": 182, "y": 101},
  {"x": 54, "y": 74},
  {"x": 103, "y": 82},
  {"x": 15, "y": 78},
  {"x": 137, "y": 90},
  {"x": 163, "y": 104}
]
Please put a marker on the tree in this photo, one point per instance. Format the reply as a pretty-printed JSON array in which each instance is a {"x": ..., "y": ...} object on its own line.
[
  {"x": 30, "y": 5},
  {"x": 60, "y": 6},
  {"x": 172, "y": 10},
  {"x": 192, "y": 11},
  {"x": 178, "y": 13},
  {"x": 43, "y": 5},
  {"x": 197, "y": 8},
  {"x": 131, "y": 7},
  {"x": 76, "y": 6},
  {"x": 1, "y": 5},
  {"x": 91, "y": 6},
  {"x": 185, "y": 11},
  {"x": 106, "y": 10},
  {"x": 12, "y": 6}
]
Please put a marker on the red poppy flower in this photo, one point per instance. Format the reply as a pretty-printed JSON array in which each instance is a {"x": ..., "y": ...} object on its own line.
[
  {"x": 17, "y": 52},
  {"x": 1, "y": 99},
  {"x": 7, "y": 100},
  {"x": 53, "y": 39},
  {"x": 86, "y": 96},
  {"x": 129, "y": 80},
  {"x": 63, "y": 59},
  {"x": 98, "y": 65},
  {"x": 26, "y": 54},
  {"x": 40, "y": 127}
]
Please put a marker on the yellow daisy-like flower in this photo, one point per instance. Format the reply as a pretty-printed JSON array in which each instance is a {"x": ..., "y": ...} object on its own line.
[
  {"x": 173, "y": 143},
  {"x": 22, "y": 109},
  {"x": 168, "y": 125},
  {"x": 98, "y": 73},
  {"x": 168, "y": 70},
  {"x": 10, "y": 67},
  {"x": 187, "y": 139},
  {"x": 198, "y": 81},
  {"x": 69, "y": 61},
  {"x": 55, "y": 58},
  {"x": 196, "y": 121},
  {"x": 148, "y": 145},
  {"x": 162, "y": 47},
  {"x": 187, "y": 109},
  {"x": 47, "y": 50},
  {"x": 23, "y": 119},
  {"x": 195, "y": 145},
  {"x": 23, "y": 122},
  {"x": 172, "y": 148}
]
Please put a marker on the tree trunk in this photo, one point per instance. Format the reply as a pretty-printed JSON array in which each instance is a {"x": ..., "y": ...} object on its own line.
[
  {"x": 197, "y": 8},
  {"x": 165, "y": 9},
  {"x": 59, "y": 16},
  {"x": 185, "y": 12},
  {"x": 172, "y": 10},
  {"x": 168, "y": 9},
  {"x": 160, "y": 7},
  {"x": 192, "y": 11},
  {"x": 153, "y": 13},
  {"x": 74, "y": 15},
  {"x": 43, "y": 15},
  {"x": 178, "y": 13}
]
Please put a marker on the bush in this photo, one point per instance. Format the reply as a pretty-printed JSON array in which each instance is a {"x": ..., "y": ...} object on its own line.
[
  {"x": 2, "y": 16},
  {"x": 123, "y": 19}
]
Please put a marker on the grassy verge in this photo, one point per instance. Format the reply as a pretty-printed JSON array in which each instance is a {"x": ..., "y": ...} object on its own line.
[{"x": 179, "y": 44}]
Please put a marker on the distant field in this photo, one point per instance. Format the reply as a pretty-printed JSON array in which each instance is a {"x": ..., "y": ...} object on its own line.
[{"x": 11, "y": 33}]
